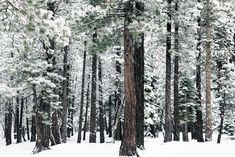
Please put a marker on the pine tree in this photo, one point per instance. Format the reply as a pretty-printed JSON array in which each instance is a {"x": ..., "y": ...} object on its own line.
[
  {"x": 82, "y": 96},
  {"x": 168, "y": 121},
  {"x": 128, "y": 145},
  {"x": 208, "y": 131}
]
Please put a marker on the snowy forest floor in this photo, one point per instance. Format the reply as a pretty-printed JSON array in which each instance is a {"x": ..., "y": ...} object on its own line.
[{"x": 153, "y": 147}]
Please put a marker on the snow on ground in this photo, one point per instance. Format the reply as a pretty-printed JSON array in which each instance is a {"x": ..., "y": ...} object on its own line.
[{"x": 154, "y": 147}]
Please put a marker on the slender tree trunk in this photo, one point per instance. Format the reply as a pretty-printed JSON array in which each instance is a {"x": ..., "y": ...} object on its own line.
[
  {"x": 222, "y": 112},
  {"x": 117, "y": 119},
  {"x": 221, "y": 102},
  {"x": 199, "y": 121},
  {"x": 86, "y": 112},
  {"x": 168, "y": 121},
  {"x": 8, "y": 123},
  {"x": 185, "y": 132},
  {"x": 71, "y": 113},
  {"x": 110, "y": 117},
  {"x": 21, "y": 118},
  {"x": 139, "y": 80},
  {"x": 27, "y": 119},
  {"x": 33, "y": 122},
  {"x": 208, "y": 132},
  {"x": 65, "y": 97},
  {"x": 82, "y": 97},
  {"x": 18, "y": 129},
  {"x": 128, "y": 144},
  {"x": 106, "y": 124},
  {"x": 101, "y": 107},
  {"x": 176, "y": 78},
  {"x": 92, "y": 138}
]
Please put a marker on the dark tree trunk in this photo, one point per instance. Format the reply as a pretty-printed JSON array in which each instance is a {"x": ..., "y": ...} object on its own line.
[
  {"x": 106, "y": 125},
  {"x": 82, "y": 97},
  {"x": 27, "y": 119},
  {"x": 176, "y": 78},
  {"x": 128, "y": 144},
  {"x": 192, "y": 130},
  {"x": 221, "y": 102},
  {"x": 21, "y": 118},
  {"x": 71, "y": 114},
  {"x": 33, "y": 122},
  {"x": 17, "y": 122},
  {"x": 101, "y": 107},
  {"x": 117, "y": 121},
  {"x": 92, "y": 138},
  {"x": 208, "y": 127},
  {"x": 221, "y": 126},
  {"x": 199, "y": 121},
  {"x": 87, "y": 106},
  {"x": 110, "y": 117},
  {"x": 65, "y": 97},
  {"x": 69, "y": 102},
  {"x": 42, "y": 117},
  {"x": 168, "y": 121},
  {"x": 185, "y": 132},
  {"x": 8, "y": 123},
  {"x": 56, "y": 139},
  {"x": 139, "y": 82}
]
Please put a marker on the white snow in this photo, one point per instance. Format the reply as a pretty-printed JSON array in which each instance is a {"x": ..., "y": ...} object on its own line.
[{"x": 154, "y": 147}]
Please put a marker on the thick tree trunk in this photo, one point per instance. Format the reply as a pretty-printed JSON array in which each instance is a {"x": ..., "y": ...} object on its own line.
[
  {"x": 185, "y": 132},
  {"x": 139, "y": 82},
  {"x": 82, "y": 97},
  {"x": 168, "y": 121},
  {"x": 65, "y": 97},
  {"x": 92, "y": 138},
  {"x": 8, "y": 123},
  {"x": 87, "y": 106},
  {"x": 128, "y": 145},
  {"x": 101, "y": 107},
  {"x": 55, "y": 128},
  {"x": 176, "y": 78},
  {"x": 199, "y": 121},
  {"x": 42, "y": 124},
  {"x": 208, "y": 132}
]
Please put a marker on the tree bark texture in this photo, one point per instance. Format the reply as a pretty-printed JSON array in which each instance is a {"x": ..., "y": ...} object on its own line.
[
  {"x": 8, "y": 122},
  {"x": 168, "y": 121},
  {"x": 82, "y": 97},
  {"x": 86, "y": 111},
  {"x": 92, "y": 138},
  {"x": 65, "y": 97},
  {"x": 101, "y": 107},
  {"x": 17, "y": 122},
  {"x": 208, "y": 129},
  {"x": 139, "y": 82},
  {"x": 128, "y": 144},
  {"x": 199, "y": 120},
  {"x": 176, "y": 78},
  {"x": 117, "y": 119}
]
